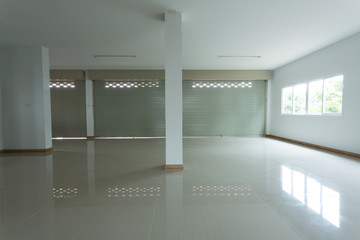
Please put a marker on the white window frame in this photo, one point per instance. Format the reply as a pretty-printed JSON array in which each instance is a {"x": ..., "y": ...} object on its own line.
[{"x": 307, "y": 98}]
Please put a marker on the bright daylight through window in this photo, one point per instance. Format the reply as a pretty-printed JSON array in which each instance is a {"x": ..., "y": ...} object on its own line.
[
  {"x": 287, "y": 100},
  {"x": 315, "y": 98},
  {"x": 300, "y": 99},
  {"x": 333, "y": 90}
]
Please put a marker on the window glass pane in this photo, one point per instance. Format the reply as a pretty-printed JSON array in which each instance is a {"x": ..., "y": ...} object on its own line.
[
  {"x": 333, "y": 90},
  {"x": 300, "y": 98},
  {"x": 315, "y": 97},
  {"x": 287, "y": 100}
]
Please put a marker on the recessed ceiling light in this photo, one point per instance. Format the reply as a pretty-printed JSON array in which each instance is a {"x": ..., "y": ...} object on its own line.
[
  {"x": 238, "y": 56},
  {"x": 115, "y": 56}
]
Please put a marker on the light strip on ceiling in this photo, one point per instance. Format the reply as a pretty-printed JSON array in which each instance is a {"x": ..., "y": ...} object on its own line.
[
  {"x": 230, "y": 56},
  {"x": 115, "y": 56}
]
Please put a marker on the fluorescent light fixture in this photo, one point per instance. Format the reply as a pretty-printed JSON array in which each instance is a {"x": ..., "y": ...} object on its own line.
[
  {"x": 68, "y": 138},
  {"x": 235, "y": 56},
  {"x": 115, "y": 56}
]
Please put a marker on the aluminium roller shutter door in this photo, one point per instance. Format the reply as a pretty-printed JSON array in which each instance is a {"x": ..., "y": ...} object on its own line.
[
  {"x": 140, "y": 112},
  {"x": 224, "y": 110},
  {"x": 68, "y": 110},
  {"x": 130, "y": 112}
]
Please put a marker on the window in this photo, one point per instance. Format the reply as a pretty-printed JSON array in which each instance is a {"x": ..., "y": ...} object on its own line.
[
  {"x": 287, "y": 100},
  {"x": 333, "y": 88},
  {"x": 132, "y": 84},
  {"x": 300, "y": 99},
  {"x": 61, "y": 84},
  {"x": 222, "y": 84},
  {"x": 316, "y": 97}
]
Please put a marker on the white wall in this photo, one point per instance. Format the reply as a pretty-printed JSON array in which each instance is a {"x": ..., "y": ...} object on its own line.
[
  {"x": 25, "y": 94},
  {"x": 340, "y": 132}
]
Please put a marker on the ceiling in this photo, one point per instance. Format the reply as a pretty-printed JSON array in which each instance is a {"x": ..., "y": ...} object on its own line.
[{"x": 279, "y": 31}]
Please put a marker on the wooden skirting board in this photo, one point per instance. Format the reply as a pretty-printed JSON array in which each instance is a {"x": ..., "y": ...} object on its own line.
[
  {"x": 27, "y": 150},
  {"x": 334, "y": 150},
  {"x": 174, "y": 167}
]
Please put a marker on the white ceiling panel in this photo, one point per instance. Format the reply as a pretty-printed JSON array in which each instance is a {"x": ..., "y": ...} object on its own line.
[{"x": 279, "y": 31}]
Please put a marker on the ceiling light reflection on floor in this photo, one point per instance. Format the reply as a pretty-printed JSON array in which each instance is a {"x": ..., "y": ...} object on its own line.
[
  {"x": 118, "y": 192},
  {"x": 65, "y": 193},
  {"x": 221, "y": 190}
]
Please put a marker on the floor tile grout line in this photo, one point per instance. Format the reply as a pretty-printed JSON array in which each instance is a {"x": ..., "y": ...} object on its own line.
[{"x": 153, "y": 215}]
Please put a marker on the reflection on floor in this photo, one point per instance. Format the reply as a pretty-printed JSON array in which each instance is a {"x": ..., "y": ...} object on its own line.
[
  {"x": 319, "y": 198},
  {"x": 231, "y": 188},
  {"x": 221, "y": 190},
  {"x": 134, "y": 192},
  {"x": 65, "y": 192}
]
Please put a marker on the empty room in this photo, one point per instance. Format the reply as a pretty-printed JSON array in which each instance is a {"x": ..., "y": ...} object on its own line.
[{"x": 179, "y": 120}]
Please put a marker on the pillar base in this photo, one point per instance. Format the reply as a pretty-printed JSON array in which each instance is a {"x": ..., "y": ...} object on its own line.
[{"x": 174, "y": 167}]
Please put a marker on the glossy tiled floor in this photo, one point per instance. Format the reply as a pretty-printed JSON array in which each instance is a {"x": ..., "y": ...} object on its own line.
[{"x": 231, "y": 188}]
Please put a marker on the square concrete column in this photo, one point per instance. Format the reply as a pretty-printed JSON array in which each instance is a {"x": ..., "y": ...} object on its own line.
[
  {"x": 173, "y": 90},
  {"x": 25, "y": 98},
  {"x": 90, "y": 131},
  {"x": 1, "y": 124}
]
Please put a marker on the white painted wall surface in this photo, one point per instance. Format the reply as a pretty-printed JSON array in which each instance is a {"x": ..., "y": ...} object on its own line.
[
  {"x": 25, "y": 93},
  {"x": 340, "y": 132}
]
